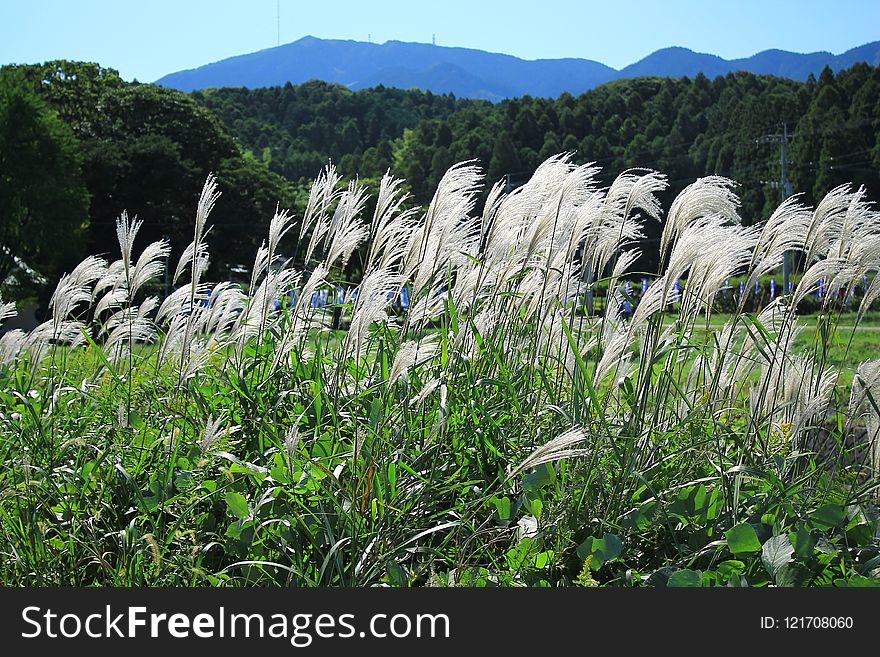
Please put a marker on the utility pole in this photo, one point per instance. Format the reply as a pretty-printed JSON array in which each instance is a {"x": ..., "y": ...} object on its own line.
[{"x": 785, "y": 189}]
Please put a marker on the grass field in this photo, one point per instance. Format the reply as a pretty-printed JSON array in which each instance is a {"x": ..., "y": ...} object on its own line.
[{"x": 490, "y": 435}]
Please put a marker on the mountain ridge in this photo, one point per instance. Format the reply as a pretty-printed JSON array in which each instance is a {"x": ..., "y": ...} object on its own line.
[{"x": 473, "y": 73}]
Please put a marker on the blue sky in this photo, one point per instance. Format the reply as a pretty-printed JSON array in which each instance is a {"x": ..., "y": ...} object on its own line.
[{"x": 146, "y": 40}]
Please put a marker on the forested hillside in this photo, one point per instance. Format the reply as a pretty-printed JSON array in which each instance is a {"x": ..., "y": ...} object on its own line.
[
  {"x": 686, "y": 127},
  {"x": 147, "y": 149}
]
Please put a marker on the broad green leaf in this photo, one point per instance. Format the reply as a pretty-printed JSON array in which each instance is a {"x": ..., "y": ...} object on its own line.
[
  {"x": 602, "y": 549},
  {"x": 793, "y": 574},
  {"x": 828, "y": 516},
  {"x": 730, "y": 568},
  {"x": 237, "y": 504},
  {"x": 502, "y": 507},
  {"x": 742, "y": 539},
  {"x": 776, "y": 552},
  {"x": 685, "y": 578},
  {"x": 858, "y": 581},
  {"x": 803, "y": 543}
]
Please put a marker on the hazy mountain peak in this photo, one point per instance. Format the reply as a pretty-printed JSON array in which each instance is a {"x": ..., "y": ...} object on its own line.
[{"x": 472, "y": 73}]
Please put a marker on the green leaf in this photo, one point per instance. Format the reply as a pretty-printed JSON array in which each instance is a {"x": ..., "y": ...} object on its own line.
[
  {"x": 502, "y": 507},
  {"x": 396, "y": 574},
  {"x": 828, "y": 516},
  {"x": 543, "y": 559},
  {"x": 858, "y": 581},
  {"x": 742, "y": 539},
  {"x": 803, "y": 543},
  {"x": 640, "y": 517},
  {"x": 730, "y": 568},
  {"x": 685, "y": 578},
  {"x": 793, "y": 574},
  {"x": 776, "y": 552},
  {"x": 601, "y": 550},
  {"x": 542, "y": 475},
  {"x": 237, "y": 504}
]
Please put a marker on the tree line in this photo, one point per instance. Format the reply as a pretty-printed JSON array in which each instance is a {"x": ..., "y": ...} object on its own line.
[{"x": 78, "y": 145}]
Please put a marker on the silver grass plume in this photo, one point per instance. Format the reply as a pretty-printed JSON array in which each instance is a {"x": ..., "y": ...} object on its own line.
[
  {"x": 413, "y": 353},
  {"x": 347, "y": 230},
  {"x": 785, "y": 230},
  {"x": 826, "y": 223},
  {"x": 636, "y": 189},
  {"x": 150, "y": 264},
  {"x": 11, "y": 344},
  {"x": 865, "y": 401},
  {"x": 214, "y": 430},
  {"x": 560, "y": 447},
  {"x": 391, "y": 227},
  {"x": 7, "y": 310},
  {"x": 447, "y": 230},
  {"x": 371, "y": 306},
  {"x": 711, "y": 195},
  {"x": 322, "y": 194}
]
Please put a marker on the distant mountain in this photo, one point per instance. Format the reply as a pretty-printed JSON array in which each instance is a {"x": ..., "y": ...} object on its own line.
[{"x": 470, "y": 73}]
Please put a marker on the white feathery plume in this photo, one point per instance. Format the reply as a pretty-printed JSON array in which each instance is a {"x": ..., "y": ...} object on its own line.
[
  {"x": 872, "y": 293},
  {"x": 112, "y": 300},
  {"x": 226, "y": 304},
  {"x": 635, "y": 189},
  {"x": 653, "y": 300},
  {"x": 865, "y": 401},
  {"x": 322, "y": 227},
  {"x": 11, "y": 344},
  {"x": 866, "y": 381},
  {"x": 7, "y": 310},
  {"x": 370, "y": 307},
  {"x": 614, "y": 347},
  {"x": 390, "y": 228},
  {"x": 195, "y": 256},
  {"x": 785, "y": 230},
  {"x": 447, "y": 230},
  {"x": 322, "y": 194},
  {"x": 291, "y": 443},
  {"x": 560, "y": 447},
  {"x": 347, "y": 230},
  {"x": 711, "y": 195},
  {"x": 178, "y": 302},
  {"x": 149, "y": 265},
  {"x": 430, "y": 386},
  {"x": 827, "y": 221},
  {"x": 214, "y": 430},
  {"x": 727, "y": 251},
  {"x": 255, "y": 317},
  {"x": 74, "y": 288},
  {"x": 624, "y": 262},
  {"x": 127, "y": 327},
  {"x": 108, "y": 280},
  {"x": 827, "y": 270},
  {"x": 126, "y": 232},
  {"x": 413, "y": 353}
]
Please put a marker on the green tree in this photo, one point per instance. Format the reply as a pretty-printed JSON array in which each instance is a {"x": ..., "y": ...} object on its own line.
[
  {"x": 504, "y": 158},
  {"x": 44, "y": 204}
]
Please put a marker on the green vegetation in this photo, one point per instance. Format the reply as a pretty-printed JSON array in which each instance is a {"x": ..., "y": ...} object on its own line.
[
  {"x": 87, "y": 146},
  {"x": 489, "y": 434}
]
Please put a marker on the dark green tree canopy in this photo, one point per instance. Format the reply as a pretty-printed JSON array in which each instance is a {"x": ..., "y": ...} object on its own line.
[{"x": 44, "y": 205}]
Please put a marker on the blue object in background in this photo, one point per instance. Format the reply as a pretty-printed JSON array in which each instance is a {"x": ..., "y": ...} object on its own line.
[{"x": 772, "y": 288}]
